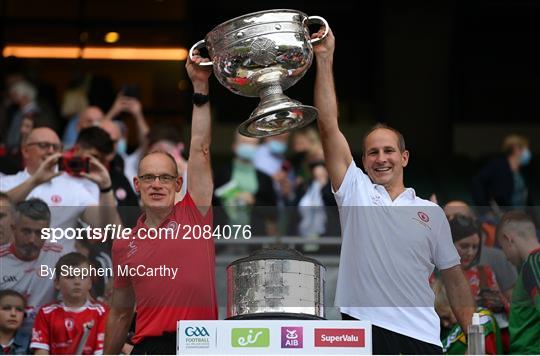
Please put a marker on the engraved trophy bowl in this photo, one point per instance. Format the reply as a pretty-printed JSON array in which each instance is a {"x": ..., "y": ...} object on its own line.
[
  {"x": 260, "y": 55},
  {"x": 276, "y": 283}
]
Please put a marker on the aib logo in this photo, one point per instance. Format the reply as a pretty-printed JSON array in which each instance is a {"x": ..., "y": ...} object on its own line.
[
  {"x": 199, "y": 332},
  {"x": 250, "y": 337},
  {"x": 292, "y": 337}
]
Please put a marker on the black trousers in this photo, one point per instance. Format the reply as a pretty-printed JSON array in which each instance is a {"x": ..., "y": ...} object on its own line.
[
  {"x": 386, "y": 342},
  {"x": 156, "y": 345}
]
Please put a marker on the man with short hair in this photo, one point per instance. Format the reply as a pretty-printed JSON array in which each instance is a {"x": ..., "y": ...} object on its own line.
[
  {"x": 163, "y": 299},
  {"x": 516, "y": 234},
  {"x": 96, "y": 142},
  {"x": 23, "y": 260},
  {"x": 392, "y": 239},
  {"x": 66, "y": 195}
]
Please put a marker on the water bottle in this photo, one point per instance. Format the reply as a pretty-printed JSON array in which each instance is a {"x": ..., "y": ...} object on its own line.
[{"x": 475, "y": 337}]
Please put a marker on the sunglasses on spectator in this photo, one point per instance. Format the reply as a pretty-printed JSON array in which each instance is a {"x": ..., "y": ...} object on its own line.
[
  {"x": 163, "y": 178},
  {"x": 46, "y": 145}
]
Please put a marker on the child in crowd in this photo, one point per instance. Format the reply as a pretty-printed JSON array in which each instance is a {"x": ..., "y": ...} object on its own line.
[
  {"x": 12, "y": 306},
  {"x": 76, "y": 324},
  {"x": 453, "y": 338}
]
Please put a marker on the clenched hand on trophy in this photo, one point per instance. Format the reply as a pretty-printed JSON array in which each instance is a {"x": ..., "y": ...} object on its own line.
[{"x": 262, "y": 54}]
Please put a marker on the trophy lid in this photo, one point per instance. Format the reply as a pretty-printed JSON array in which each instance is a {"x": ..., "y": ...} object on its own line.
[{"x": 276, "y": 253}]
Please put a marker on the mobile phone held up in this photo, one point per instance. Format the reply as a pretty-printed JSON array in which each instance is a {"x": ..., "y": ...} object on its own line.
[
  {"x": 74, "y": 165},
  {"x": 130, "y": 90}
]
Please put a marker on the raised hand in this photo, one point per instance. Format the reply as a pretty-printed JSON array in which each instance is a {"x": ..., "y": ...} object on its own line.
[
  {"x": 125, "y": 104},
  {"x": 47, "y": 169},
  {"x": 325, "y": 48},
  {"x": 197, "y": 73},
  {"x": 98, "y": 173}
]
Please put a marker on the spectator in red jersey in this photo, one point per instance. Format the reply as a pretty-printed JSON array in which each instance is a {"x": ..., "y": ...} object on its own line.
[
  {"x": 27, "y": 256},
  {"x": 161, "y": 300},
  {"x": 12, "y": 306},
  {"x": 75, "y": 325}
]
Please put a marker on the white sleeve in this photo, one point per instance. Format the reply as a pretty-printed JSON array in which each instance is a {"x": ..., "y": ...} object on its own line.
[
  {"x": 354, "y": 177},
  {"x": 7, "y": 183},
  {"x": 445, "y": 254}
]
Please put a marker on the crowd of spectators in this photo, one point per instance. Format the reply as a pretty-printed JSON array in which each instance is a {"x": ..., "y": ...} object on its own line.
[{"x": 279, "y": 186}]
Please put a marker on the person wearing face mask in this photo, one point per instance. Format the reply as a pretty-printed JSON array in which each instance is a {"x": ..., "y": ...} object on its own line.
[
  {"x": 502, "y": 182},
  {"x": 270, "y": 155},
  {"x": 240, "y": 185}
]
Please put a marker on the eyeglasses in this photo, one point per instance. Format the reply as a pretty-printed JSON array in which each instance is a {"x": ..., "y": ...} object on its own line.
[
  {"x": 46, "y": 145},
  {"x": 163, "y": 178}
]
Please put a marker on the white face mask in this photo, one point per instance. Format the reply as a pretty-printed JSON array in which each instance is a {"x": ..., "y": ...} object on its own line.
[
  {"x": 121, "y": 146},
  {"x": 525, "y": 157}
]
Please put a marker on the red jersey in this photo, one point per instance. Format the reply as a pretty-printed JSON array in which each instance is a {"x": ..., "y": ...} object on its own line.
[
  {"x": 59, "y": 329},
  {"x": 161, "y": 297}
]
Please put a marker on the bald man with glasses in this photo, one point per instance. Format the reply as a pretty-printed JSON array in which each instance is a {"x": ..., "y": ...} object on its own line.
[
  {"x": 66, "y": 195},
  {"x": 162, "y": 300}
]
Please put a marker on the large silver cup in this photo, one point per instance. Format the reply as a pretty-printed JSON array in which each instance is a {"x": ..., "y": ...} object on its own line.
[{"x": 262, "y": 54}]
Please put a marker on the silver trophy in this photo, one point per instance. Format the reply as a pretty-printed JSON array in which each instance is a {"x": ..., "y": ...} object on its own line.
[{"x": 262, "y": 54}]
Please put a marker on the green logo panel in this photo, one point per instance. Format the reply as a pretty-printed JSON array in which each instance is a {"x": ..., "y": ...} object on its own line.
[{"x": 250, "y": 337}]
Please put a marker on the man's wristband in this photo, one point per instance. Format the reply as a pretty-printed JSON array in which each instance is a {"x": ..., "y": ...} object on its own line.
[
  {"x": 200, "y": 99},
  {"x": 105, "y": 190}
]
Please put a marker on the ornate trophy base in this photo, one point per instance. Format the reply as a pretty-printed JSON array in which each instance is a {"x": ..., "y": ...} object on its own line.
[
  {"x": 276, "y": 114},
  {"x": 280, "y": 120}
]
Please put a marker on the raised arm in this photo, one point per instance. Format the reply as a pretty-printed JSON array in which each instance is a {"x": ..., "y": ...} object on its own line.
[
  {"x": 132, "y": 106},
  {"x": 199, "y": 182},
  {"x": 43, "y": 174},
  {"x": 337, "y": 154}
]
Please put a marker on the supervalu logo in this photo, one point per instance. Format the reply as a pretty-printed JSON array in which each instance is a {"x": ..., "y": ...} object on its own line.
[{"x": 337, "y": 337}]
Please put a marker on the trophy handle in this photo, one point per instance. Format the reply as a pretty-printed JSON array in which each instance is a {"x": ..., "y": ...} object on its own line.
[
  {"x": 200, "y": 44},
  {"x": 322, "y": 21}
]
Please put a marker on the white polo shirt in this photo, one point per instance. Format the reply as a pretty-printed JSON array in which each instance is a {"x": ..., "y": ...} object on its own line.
[
  {"x": 25, "y": 277},
  {"x": 67, "y": 196},
  {"x": 389, "y": 250}
]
